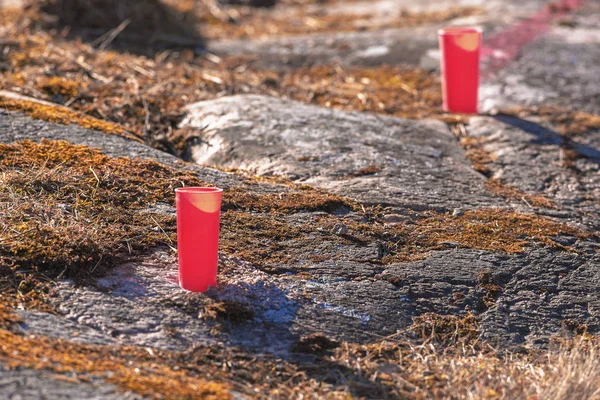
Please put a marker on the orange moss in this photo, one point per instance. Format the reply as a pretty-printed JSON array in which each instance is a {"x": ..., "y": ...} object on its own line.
[
  {"x": 499, "y": 188},
  {"x": 258, "y": 239},
  {"x": 62, "y": 115},
  {"x": 59, "y": 86},
  {"x": 130, "y": 368},
  {"x": 7, "y": 317},
  {"x": 493, "y": 230},
  {"x": 448, "y": 329},
  {"x": 270, "y": 241},
  {"x": 300, "y": 198},
  {"x": 400, "y": 91},
  {"x": 479, "y": 157},
  {"x": 72, "y": 211}
]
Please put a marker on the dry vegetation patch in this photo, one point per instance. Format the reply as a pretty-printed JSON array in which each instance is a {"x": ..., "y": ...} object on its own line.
[
  {"x": 268, "y": 241},
  {"x": 297, "y": 198},
  {"x": 249, "y": 24},
  {"x": 63, "y": 115},
  {"x": 446, "y": 362},
  {"x": 145, "y": 95},
  {"x": 70, "y": 211},
  {"x": 182, "y": 22},
  {"x": 132, "y": 369},
  {"x": 429, "y": 370},
  {"x": 493, "y": 230},
  {"x": 497, "y": 187}
]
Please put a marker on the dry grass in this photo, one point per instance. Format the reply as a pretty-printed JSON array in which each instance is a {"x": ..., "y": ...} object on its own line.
[
  {"x": 429, "y": 371},
  {"x": 488, "y": 229},
  {"x": 210, "y": 20},
  {"x": 499, "y": 188},
  {"x": 71, "y": 211},
  {"x": 389, "y": 369},
  {"x": 446, "y": 362},
  {"x": 252, "y": 24},
  {"x": 131, "y": 369},
  {"x": 269, "y": 241},
  {"x": 145, "y": 95},
  {"x": 295, "y": 198}
]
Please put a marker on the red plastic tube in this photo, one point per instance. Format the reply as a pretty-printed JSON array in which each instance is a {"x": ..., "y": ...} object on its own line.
[
  {"x": 198, "y": 219},
  {"x": 460, "y": 49}
]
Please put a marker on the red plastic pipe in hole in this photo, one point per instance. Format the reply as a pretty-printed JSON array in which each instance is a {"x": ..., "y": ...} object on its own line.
[{"x": 198, "y": 219}]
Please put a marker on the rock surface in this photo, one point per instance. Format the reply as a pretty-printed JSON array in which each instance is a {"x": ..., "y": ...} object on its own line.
[
  {"x": 331, "y": 270},
  {"x": 375, "y": 159},
  {"x": 29, "y": 384},
  {"x": 349, "y": 295}
]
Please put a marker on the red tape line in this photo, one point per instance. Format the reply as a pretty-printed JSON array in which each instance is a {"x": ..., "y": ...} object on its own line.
[{"x": 504, "y": 47}]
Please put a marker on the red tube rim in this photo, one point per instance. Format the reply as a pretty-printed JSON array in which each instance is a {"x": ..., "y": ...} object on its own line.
[
  {"x": 458, "y": 30},
  {"x": 198, "y": 190}
]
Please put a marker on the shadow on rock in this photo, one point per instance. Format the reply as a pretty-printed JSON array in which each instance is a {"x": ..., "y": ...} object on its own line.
[
  {"x": 547, "y": 136},
  {"x": 137, "y": 26},
  {"x": 269, "y": 304}
]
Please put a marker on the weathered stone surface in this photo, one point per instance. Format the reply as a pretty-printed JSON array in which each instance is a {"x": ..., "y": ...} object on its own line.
[
  {"x": 22, "y": 384},
  {"x": 559, "y": 68},
  {"x": 372, "y": 47},
  {"x": 350, "y": 295},
  {"x": 343, "y": 288},
  {"x": 539, "y": 160},
  {"x": 420, "y": 164}
]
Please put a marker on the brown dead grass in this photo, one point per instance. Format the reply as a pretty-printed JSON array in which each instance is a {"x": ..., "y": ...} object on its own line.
[
  {"x": 269, "y": 241},
  {"x": 446, "y": 329},
  {"x": 299, "y": 198},
  {"x": 71, "y": 211},
  {"x": 251, "y": 24},
  {"x": 447, "y": 361},
  {"x": 400, "y": 91},
  {"x": 131, "y": 369},
  {"x": 210, "y": 20},
  {"x": 145, "y": 95},
  {"x": 499, "y": 188},
  {"x": 493, "y": 230},
  {"x": 430, "y": 370}
]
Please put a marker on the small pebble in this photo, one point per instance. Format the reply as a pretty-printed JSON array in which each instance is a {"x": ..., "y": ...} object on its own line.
[{"x": 340, "y": 229}]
